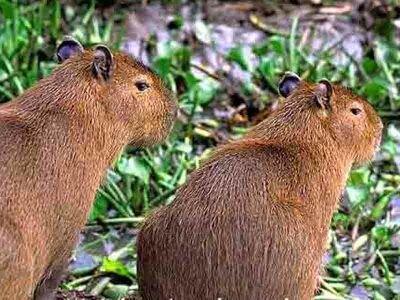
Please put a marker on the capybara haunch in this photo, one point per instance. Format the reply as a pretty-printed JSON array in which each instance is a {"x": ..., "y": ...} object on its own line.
[
  {"x": 252, "y": 222},
  {"x": 56, "y": 142}
]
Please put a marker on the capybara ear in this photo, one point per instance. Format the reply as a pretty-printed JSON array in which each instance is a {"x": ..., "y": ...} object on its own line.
[
  {"x": 68, "y": 48},
  {"x": 103, "y": 62},
  {"x": 323, "y": 94},
  {"x": 289, "y": 82}
]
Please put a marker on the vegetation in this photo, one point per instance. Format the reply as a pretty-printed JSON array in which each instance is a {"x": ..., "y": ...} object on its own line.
[{"x": 363, "y": 257}]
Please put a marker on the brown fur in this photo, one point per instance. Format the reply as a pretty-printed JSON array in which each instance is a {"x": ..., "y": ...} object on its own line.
[
  {"x": 56, "y": 141},
  {"x": 252, "y": 222}
]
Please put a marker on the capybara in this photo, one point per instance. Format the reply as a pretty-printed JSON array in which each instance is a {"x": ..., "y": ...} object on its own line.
[
  {"x": 252, "y": 222},
  {"x": 56, "y": 142}
]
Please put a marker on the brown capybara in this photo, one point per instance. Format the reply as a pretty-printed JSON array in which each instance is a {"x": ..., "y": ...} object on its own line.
[
  {"x": 252, "y": 222},
  {"x": 56, "y": 142}
]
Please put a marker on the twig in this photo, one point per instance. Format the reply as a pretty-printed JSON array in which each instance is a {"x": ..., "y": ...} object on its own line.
[
  {"x": 205, "y": 71},
  {"x": 256, "y": 22},
  {"x": 122, "y": 220},
  {"x": 78, "y": 281},
  {"x": 336, "y": 10},
  {"x": 98, "y": 289},
  {"x": 354, "y": 232}
]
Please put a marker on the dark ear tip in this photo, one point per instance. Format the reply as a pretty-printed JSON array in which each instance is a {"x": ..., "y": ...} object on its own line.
[
  {"x": 328, "y": 88},
  {"x": 291, "y": 75},
  {"x": 103, "y": 62},
  {"x": 68, "y": 47},
  {"x": 69, "y": 40},
  {"x": 288, "y": 83},
  {"x": 103, "y": 52},
  {"x": 325, "y": 81},
  {"x": 102, "y": 49}
]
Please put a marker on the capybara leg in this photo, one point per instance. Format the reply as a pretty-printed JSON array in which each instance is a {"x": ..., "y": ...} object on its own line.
[
  {"x": 16, "y": 268},
  {"x": 46, "y": 289}
]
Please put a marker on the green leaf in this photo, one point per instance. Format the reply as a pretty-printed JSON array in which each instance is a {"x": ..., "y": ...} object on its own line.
[
  {"x": 369, "y": 65},
  {"x": 371, "y": 282},
  {"x": 277, "y": 45},
  {"x": 376, "y": 90},
  {"x": 56, "y": 19},
  {"x": 385, "y": 27},
  {"x": 340, "y": 219},
  {"x": 238, "y": 55},
  {"x": 190, "y": 80},
  {"x": 115, "y": 266},
  {"x": 99, "y": 208},
  {"x": 267, "y": 67},
  {"x": 206, "y": 90},
  {"x": 381, "y": 235},
  {"x": 182, "y": 58},
  {"x": 378, "y": 296},
  {"x": 261, "y": 49},
  {"x": 359, "y": 177},
  {"x": 162, "y": 66},
  {"x": 379, "y": 208},
  {"x": 184, "y": 147},
  {"x": 134, "y": 166},
  {"x": 357, "y": 195},
  {"x": 7, "y": 9},
  {"x": 89, "y": 14},
  {"x": 388, "y": 146}
]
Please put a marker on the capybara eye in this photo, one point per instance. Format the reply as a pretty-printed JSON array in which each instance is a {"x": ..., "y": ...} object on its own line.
[
  {"x": 141, "y": 85},
  {"x": 355, "y": 111}
]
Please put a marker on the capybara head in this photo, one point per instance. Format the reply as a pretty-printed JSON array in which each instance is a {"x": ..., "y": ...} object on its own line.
[
  {"x": 349, "y": 119},
  {"x": 131, "y": 93}
]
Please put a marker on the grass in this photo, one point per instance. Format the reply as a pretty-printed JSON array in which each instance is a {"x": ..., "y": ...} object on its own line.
[{"x": 363, "y": 256}]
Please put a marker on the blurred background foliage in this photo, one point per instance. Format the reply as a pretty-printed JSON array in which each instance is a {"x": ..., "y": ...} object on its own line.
[{"x": 223, "y": 59}]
